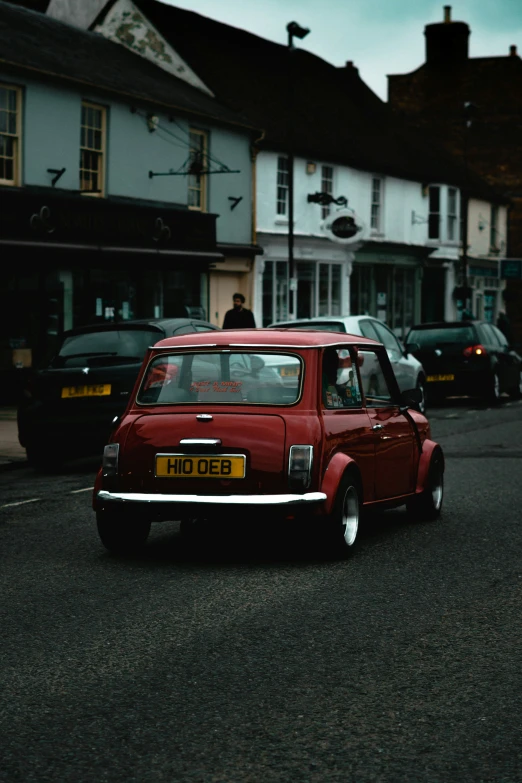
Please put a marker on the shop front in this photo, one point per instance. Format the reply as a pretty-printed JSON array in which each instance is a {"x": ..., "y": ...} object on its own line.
[{"x": 72, "y": 260}]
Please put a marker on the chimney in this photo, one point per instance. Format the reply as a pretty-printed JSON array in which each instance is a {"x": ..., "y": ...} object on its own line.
[
  {"x": 513, "y": 51},
  {"x": 350, "y": 67},
  {"x": 447, "y": 42}
]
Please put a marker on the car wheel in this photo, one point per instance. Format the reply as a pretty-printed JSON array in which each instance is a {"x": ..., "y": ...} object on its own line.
[
  {"x": 428, "y": 504},
  {"x": 343, "y": 522},
  {"x": 43, "y": 459},
  {"x": 120, "y": 533},
  {"x": 516, "y": 391},
  {"x": 493, "y": 394}
]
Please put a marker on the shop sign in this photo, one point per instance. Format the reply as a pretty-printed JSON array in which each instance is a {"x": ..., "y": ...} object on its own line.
[{"x": 343, "y": 227}]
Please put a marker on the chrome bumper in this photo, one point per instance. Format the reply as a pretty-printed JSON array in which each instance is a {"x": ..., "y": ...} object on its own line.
[{"x": 229, "y": 500}]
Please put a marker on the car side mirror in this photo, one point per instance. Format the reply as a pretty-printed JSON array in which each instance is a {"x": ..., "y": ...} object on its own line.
[
  {"x": 410, "y": 398},
  {"x": 412, "y": 347}
]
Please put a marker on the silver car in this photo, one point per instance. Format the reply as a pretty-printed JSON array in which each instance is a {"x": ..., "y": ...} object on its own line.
[{"x": 408, "y": 370}]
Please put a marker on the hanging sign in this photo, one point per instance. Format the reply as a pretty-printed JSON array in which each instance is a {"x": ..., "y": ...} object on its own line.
[{"x": 343, "y": 227}]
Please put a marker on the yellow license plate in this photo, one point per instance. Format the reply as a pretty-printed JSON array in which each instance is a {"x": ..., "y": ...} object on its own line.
[
  {"x": 93, "y": 390},
  {"x": 290, "y": 371},
  {"x": 440, "y": 377},
  {"x": 226, "y": 466}
]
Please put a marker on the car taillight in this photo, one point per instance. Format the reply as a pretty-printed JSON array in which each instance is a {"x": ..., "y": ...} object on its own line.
[
  {"x": 474, "y": 350},
  {"x": 300, "y": 467},
  {"x": 110, "y": 459}
]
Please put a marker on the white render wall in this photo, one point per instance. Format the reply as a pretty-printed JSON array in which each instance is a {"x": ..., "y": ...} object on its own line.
[{"x": 405, "y": 204}]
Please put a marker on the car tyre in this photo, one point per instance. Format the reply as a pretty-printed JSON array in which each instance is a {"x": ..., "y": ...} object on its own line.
[
  {"x": 44, "y": 459},
  {"x": 427, "y": 505},
  {"x": 516, "y": 392},
  {"x": 493, "y": 394},
  {"x": 343, "y": 523},
  {"x": 120, "y": 533},
  {"x": 421, "y": 406}
]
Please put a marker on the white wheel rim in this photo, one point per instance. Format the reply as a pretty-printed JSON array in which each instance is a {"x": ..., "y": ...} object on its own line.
[
  {"x": 496, "y": 386},
  {"x": 350, "y": 520},
  {"x": 422, "y": 403},
  {"x": 437, "y": 490},
  {"x": 520, "y": 383}
]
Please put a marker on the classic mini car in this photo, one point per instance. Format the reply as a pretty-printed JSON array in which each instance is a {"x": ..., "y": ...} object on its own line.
[
  {"x": 208, "y": 435},
  {"x": 68, "y": 406},
  {"x": 408, "y": 369}
]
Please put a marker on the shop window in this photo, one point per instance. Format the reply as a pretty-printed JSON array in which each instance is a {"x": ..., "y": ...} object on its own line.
[
  {"x": 282, "y": 185},
  {"x": 376, "y": 206},
  {"x": 326, "y": 187},
  {"x": 197, "y": 179},
  {"x": 10, "y": 134},
  {"x": 329, "y": 289},
  {"x": 92, "y": 149},
  {"x": 275, "y": 292}
]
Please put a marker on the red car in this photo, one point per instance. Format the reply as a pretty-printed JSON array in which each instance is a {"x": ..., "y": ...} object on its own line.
[{"x": 265, "y": 424}]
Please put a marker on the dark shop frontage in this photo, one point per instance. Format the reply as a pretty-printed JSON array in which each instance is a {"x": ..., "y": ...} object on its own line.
[{"x": 69, "y": 260}]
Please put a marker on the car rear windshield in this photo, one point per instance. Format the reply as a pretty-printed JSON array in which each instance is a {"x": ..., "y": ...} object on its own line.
[
  {"x": 440, "y": 335},
  {"x": 321, "y": 326},
  {"x": 219, "y": 377},
  {"x": 113, "y": 346}
]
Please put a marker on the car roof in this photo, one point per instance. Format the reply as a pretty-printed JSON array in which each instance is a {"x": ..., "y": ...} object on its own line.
[
  {"x": 137, "y": 323},
  {"x": 322, "y": 318},
  {"x": 264, "y": 338}
]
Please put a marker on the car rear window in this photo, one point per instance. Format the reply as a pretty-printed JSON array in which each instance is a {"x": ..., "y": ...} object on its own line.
[
  {"x": 216, "y": 377},
  {"x": 322, "y": 326},
  {"x": 113, "y": 346},
  {"x": 440, "y": 335}
]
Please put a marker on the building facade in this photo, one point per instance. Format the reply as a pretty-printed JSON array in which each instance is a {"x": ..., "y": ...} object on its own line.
[{"x": 116, "y": 182}]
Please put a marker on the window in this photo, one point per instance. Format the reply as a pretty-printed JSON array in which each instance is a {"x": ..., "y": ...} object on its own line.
[
  {"x": 326, "y": 187},
  {"x": 92, "y": 149},
  {"x": 376, "y": 207},
  {"x": 434, "y": 215},
  {"x": 282, "y": 185},
  {"x": 340, "y": 384},
  {"x": 197, "y": 180},
  {"x": 493, "y": 229},
  {"x": 452, "y": 214},
  {"x": 275, "y": 292},
  {"x": 10, "y": 129},
  {"x": 373, "y": 379}
]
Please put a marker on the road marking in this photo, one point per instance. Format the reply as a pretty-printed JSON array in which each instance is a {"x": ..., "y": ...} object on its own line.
[
  {"x": 85, "y": 489},
  {"x": 20, "y": 503}
]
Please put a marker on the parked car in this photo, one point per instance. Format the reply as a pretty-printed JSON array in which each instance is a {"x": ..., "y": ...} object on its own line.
[
  {"x": 466, "y": 358},
  {"x": 408, "y": 370},
  {"x": 201, "y": 444},
  {"x": 68, "y": 406}
]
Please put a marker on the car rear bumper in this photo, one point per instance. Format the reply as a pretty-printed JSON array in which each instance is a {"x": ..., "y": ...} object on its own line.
[{"x": 139, "y": 499}]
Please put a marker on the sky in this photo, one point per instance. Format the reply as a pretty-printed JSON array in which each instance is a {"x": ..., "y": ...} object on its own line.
[{"x": 379, "y": 36}]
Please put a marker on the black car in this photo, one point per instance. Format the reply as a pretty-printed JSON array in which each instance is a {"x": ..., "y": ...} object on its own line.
[
  {"x": 470, "y": 358},
  {"x": 68, "y": 407}
]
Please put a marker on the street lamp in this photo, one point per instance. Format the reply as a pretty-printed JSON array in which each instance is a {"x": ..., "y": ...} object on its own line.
[
  {"x": 470, "y": 110},
  {"x": 294, "y": 31}
]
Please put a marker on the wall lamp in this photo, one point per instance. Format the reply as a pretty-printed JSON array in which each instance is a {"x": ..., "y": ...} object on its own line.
[
  {"x": 152, "y": 122},
  {"x": 324, "y": 199}
]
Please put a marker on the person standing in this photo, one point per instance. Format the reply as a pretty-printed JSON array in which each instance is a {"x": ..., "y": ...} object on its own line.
[{"x": 239, "y": 317}]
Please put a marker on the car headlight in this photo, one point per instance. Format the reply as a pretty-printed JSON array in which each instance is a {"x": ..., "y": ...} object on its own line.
[
  {"x": 110, "y": 459},
  {"x": 300, "y": 467}
]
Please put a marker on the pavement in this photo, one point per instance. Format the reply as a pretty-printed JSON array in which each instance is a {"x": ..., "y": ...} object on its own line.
[{"x": 12, "y": 455}]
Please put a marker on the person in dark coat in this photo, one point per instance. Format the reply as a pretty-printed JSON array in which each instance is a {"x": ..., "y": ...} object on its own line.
[{"x": 239, "y": 317}]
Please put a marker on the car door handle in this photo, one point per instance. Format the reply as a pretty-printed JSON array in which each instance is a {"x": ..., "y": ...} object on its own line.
[{"x": 377, "y": 427}]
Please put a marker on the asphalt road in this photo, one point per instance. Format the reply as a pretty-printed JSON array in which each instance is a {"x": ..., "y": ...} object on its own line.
[{"x": 256, "y": 660}]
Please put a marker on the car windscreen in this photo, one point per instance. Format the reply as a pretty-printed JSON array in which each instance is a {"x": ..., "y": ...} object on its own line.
[
  {"x": 440, "y": 335},
  {"x": 321, "y": 326},
  {"x": 105, "y": 347},
  {"x": 222, "y": 377}
]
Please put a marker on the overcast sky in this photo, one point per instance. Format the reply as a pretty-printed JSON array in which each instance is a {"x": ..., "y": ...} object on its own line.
[{"x": 380, "y": 36}]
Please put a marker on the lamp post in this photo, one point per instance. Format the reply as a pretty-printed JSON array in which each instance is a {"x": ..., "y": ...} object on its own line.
[
  {"x": 294, "y": 31},
  {"x": 469, "y": 114}
]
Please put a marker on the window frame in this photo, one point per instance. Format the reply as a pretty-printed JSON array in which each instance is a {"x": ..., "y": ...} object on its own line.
[
  {"x": 452, "y": 216},
  {"x": 376, "y": 205},
  {"x": 327, "y": 186},
  {"x": 434, "y": 215},
  {"x": 102, "y": 152},
  {"x": 201, "y": 187},
  {"x": 17, "y": 136},
  {"x": 493, "y": 229},
  {"x": 282, "y": 187}
]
